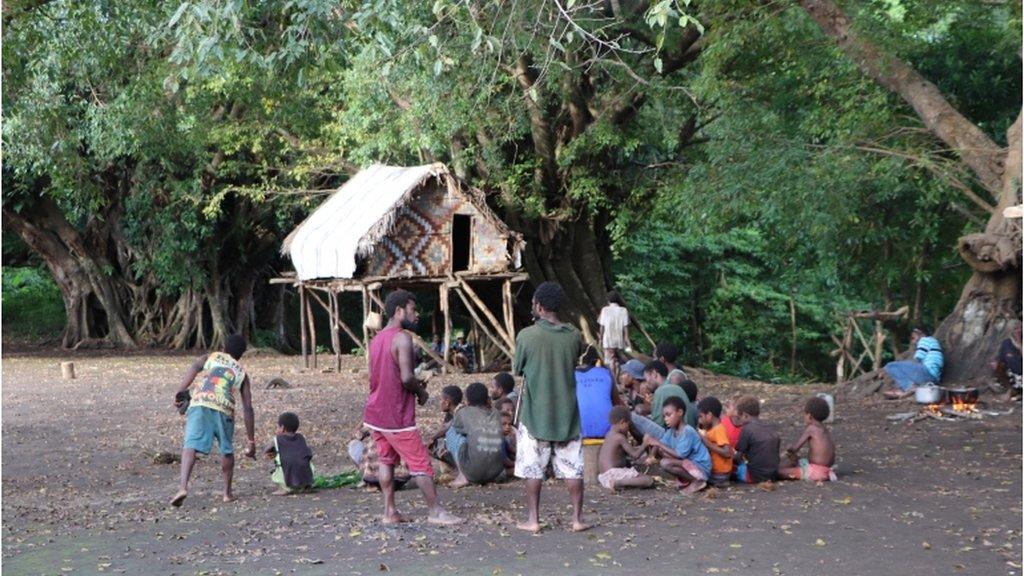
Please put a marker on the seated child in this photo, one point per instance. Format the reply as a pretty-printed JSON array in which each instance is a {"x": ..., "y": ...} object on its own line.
[
  {"x": 363, "y": 452},
  {"x": 508, "y": 443},
  {"x": 475, "y": 439},
  {"x": 821, "y": 452},
  {"x": 646, "y": 396},
  {"x": 716, "y": 439},
  {"x": 451, "y": 398},
  {"x": 291, "y": 455},
  {"x": 506, "y": 406},
  {"x": 616, "y": 452},
  {"x": 730, "y": 420},
  {"x": 502, "y": 386},
  {"x": 757, "y": 451},
  {"x": 682, "y": 452}
]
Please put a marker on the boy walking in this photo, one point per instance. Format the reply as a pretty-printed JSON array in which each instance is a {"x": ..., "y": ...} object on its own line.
[{"x": 211, "y": 413}]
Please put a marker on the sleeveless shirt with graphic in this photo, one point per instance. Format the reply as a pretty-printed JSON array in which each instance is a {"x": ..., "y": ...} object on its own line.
[{"x": 224, "y": 375}]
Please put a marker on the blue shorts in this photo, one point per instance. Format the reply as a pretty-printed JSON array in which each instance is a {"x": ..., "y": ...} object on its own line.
[{"x": 203, "y": 424}]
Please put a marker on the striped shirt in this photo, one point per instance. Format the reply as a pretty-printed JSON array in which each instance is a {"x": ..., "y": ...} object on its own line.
[{"x": 929, "y": 353}]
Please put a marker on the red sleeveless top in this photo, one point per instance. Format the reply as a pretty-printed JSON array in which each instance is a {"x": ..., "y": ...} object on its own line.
[{"x": 390, "y": 407}]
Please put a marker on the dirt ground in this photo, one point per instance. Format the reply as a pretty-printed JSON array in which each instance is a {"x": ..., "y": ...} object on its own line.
[{"x": 80, "y": 494}]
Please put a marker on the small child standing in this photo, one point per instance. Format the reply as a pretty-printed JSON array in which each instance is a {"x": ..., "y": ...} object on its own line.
[
  {"x": 616, "y": 452},
  {"x": 716, "y": 439},
  {"x": 291, "y": 455},
  {"x": 683, "y": 454},
  {"x": 757, "y": 452},
  {"x": 821, "y": 452}
]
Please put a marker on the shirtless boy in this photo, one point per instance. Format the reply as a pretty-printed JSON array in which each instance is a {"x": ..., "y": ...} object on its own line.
[
  {"x": 613, "y": 464},
  {"x": 821, "y": 452}
]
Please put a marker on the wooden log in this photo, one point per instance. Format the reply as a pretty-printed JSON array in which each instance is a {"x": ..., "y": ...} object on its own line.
[
  {"x": 335, "y": 334},
  {"x": 879, "y": 339},
  {"x": 509, "y": 341},
  {"x": 302, "y": 324},
  {"x": 508, "y": 308},
  {"x": 864, "y": 341},
  {"x": 67, "y": 370},
  {"x": 476, "y": 318}
]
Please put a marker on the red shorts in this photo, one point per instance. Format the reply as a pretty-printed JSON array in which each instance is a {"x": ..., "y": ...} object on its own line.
[{"x": 406, "y": 446}]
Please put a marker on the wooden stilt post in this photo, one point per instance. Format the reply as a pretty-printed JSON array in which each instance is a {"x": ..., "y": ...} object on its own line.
[
  {"x": 366, "y": 330},
  {"x": 446, "y": 312},
  {"x": 335, "y": 335},
  {"x": 302, "y": 324},
  {"x": 476, "y": 318},
  {"x": 507, "y": 308},
  {"x": 312, "y": 331}
]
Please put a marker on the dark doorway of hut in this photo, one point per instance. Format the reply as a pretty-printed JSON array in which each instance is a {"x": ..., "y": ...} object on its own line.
[{"x": 462, "y": 230}]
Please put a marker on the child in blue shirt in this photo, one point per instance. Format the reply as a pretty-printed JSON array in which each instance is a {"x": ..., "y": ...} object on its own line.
[{"x": 682, "y": 452}]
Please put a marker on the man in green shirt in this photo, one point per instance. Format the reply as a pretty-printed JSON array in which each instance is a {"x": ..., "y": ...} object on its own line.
[{"x": 549, "y": 418}]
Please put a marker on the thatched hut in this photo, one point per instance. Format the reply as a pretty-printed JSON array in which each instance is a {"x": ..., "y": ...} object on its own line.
[{"x": 417, "y": 228}]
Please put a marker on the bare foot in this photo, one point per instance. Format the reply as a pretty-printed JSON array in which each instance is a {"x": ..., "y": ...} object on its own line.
[
  {"x": 694, "y": 487},
  {"x": 393, "y": 518},
  {"x": 179, "y": 498},
  {"x": 533, "y": 527},
  {"x": 460, "y": 482},
  {"x": 229, "y": 498},
  {"x": 443, "y": 518},
  {"x": 282, "y": 492},
  {"x": 580, "y": 527}
]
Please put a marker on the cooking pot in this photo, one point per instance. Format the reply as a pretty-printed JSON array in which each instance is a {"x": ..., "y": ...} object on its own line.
[
  {"x": 963, "y": 395},
  {"x": 928, "y": 394}
]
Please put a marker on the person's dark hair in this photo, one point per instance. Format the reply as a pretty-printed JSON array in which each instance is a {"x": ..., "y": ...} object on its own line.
[
  {"x": 657, "y": 366},
  {"x": 690, "y": 387},
  {"x": 710, "y": 405},
  {"x": 505, "y": 381},
  {"x": 668, "y": 351},
  {"x": 589, "y": 357},
  {"x": 817, "y": 408},
  {"x": 454, "y": 393},
  {"x": 395, "y": 300},
  {"x": 476, "y": 394},
  {"x": 676, "y": 402},
  {"x": 615, "y": 298},
  {"x": 549, "y": 295},
  {"x": 922, "y": 328},
  {"x": 235, "y": 346},
  {"x": 289, "y": 421},
  {"x": 619, "y": 414},
  {"x": 748, "y": 405}
]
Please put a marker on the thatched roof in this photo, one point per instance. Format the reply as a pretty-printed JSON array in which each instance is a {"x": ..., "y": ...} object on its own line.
[{"x": 351, "y": 222}]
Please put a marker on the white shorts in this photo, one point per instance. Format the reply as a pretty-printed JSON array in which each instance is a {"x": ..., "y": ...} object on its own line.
[{"x": 533, "y": 455}]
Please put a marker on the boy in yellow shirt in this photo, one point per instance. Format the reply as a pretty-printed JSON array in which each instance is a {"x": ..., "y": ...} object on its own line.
[{"x": 716, "y": 439}]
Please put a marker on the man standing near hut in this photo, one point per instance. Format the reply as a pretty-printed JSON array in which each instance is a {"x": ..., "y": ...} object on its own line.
[
  {"x": 391, "y": 409},
  {"x": 549, "y": 419}
]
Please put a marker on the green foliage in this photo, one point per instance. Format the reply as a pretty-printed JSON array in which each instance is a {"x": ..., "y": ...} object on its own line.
[{"x": 32, "y": 306}]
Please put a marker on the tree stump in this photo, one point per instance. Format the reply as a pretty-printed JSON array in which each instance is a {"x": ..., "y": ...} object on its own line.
[{"x": 67, "y": 370}]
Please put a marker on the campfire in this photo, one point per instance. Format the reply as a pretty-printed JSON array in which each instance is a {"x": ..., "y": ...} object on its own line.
[{"x": 958, "y": 404}]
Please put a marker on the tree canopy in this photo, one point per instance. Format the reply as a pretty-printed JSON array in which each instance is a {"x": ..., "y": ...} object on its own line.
[{"x": 729, "y": 166}]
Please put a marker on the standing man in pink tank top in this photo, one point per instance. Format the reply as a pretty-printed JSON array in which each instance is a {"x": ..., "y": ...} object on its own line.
[{"x": 391, "y": 409}]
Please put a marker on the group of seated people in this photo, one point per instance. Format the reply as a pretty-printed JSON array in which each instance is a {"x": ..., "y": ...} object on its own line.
[
  {"x": 462, "y": 355},
  {"x": 653, "y": 417}
]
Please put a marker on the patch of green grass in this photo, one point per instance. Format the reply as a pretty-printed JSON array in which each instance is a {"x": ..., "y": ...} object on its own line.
[{"x": 32, "y": 306}]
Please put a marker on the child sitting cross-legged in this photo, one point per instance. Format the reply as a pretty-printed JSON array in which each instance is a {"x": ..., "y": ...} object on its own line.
[
  {"x": 821, "y": 452},
  {"x": 451, "y": 398},
  {"x": 616, "y": 452},
  {"x": 757, "y": 452},
  {"x": 716, "y": 439},
  {"x": 475, "y": 439},
  {"x": 291, "y": 455},
  {"x": 683, "y": 454}
]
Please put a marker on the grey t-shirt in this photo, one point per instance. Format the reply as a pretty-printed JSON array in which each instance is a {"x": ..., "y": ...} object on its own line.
[{"x": 480, "y": 458}]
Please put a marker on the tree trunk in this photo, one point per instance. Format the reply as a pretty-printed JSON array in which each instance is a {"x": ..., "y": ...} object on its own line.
[
  {"x": 971, "y": 334},
  {"x": 980, "y": 322}
]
